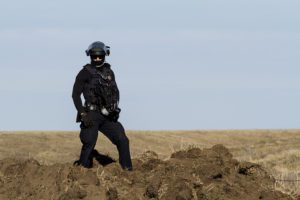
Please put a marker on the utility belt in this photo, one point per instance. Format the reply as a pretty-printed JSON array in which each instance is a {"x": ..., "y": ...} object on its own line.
[{"x": 93, "y": 107}]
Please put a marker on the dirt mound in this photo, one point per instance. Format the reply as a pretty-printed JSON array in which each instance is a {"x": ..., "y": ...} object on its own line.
[{"x": 190, "y": 174}]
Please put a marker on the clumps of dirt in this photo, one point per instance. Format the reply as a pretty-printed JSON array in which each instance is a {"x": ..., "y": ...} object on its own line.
[{"x": 189, "y": 174}]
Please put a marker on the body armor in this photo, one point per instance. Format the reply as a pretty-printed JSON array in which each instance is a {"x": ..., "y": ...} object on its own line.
[{"x": 102, "y": 90}]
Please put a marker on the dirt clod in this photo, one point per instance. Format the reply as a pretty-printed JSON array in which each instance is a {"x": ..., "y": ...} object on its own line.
[{"x": 112, "y": 194}]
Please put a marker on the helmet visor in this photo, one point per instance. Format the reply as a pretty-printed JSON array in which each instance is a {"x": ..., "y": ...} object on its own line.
[{"x": 98, "y": 52}]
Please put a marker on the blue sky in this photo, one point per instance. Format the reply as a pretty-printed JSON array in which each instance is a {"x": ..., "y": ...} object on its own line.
[{"x": 179, "y": 65}]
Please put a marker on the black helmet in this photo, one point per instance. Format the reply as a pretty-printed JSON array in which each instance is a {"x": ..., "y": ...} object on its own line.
[{"x": 98, "y": 48}]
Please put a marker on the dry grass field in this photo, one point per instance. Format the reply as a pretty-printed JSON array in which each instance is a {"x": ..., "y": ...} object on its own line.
[{"x": 276, "y": 150}]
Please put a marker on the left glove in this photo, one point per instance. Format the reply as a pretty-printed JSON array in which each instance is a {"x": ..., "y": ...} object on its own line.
[{"x": 114, "y": 115}]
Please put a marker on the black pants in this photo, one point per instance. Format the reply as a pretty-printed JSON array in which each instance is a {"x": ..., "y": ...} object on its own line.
[{"x": 115, "y": 133}]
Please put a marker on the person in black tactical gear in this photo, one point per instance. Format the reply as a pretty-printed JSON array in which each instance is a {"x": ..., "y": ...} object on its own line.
[{"x": 100, "y": 112}]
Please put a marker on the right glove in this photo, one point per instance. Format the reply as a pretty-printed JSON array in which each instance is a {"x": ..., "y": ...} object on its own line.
[{"x": 86, "y": 120}]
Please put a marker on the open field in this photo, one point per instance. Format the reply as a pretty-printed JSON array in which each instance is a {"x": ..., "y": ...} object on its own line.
[{"x": 276, "y": 150}]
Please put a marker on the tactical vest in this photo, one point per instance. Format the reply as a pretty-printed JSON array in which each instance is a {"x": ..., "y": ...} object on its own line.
[{"x": 102, "y": 88}]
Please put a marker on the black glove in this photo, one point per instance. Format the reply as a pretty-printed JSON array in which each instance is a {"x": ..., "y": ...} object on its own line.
[
  {"x": 114, "y": 115},
  {"x": 86, "y": 120}
]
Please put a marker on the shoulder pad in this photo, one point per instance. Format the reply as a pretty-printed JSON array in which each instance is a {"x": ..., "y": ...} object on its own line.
[
  {"x": 85, "y": 66},
  {"x": 89, "y": 68},
  {"x": 107, "y": 65}
]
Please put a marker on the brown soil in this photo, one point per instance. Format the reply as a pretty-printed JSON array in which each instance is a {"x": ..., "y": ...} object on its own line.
[{"x": 206, "y": 174}]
